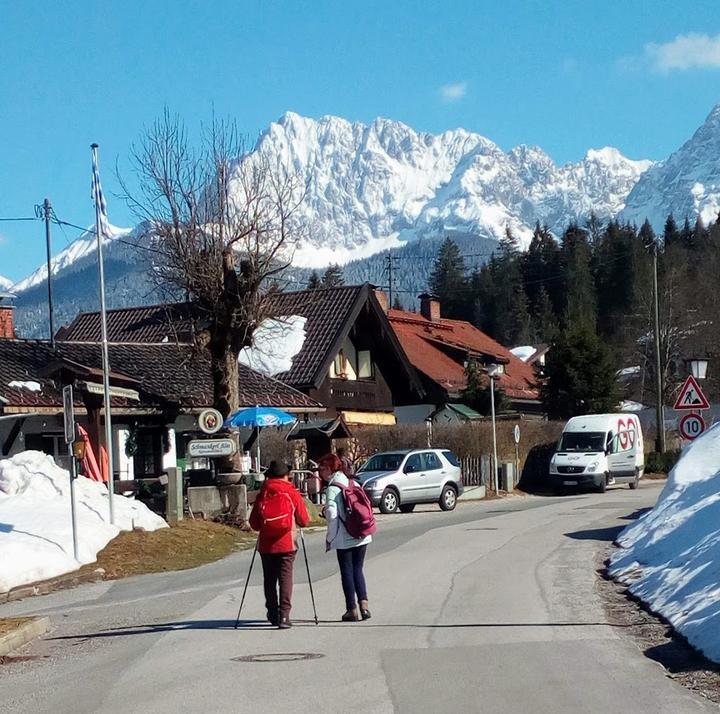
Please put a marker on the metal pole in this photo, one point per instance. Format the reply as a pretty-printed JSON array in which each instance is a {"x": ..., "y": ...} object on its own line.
[
  {"x": 659, "y": 410},
  {"x": 105, "y": 358},
  {"x": 390, "y": 280},
  {"x": 47, "y": 210},
  {"x": 492, "y": 412},
  {"x": 73, "y": 511},
  {"x": 242, "y": 600},
  {"x": 307, "y": 566}
]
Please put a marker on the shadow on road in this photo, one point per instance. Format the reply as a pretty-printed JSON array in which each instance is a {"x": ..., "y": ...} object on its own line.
[
  {"x": 264, "y": 625},
  {"x": 600, "y": 534},
  {"x": 636, "y": 514}
]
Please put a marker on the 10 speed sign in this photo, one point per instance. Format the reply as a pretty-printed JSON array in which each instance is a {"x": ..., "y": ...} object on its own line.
[{"x": 691, "y": 426}]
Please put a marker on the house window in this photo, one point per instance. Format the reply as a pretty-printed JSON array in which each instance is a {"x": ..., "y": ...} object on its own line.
[
  {"x": 344, "y": 365},
  {"x": 365, "y": 365}
]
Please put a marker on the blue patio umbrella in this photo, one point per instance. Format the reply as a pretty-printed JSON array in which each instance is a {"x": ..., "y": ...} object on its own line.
[{"x": 258, "y": 417}]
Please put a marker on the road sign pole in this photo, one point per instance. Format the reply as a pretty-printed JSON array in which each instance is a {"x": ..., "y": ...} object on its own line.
[
  {"x": 73, "y": 509},
  {"x": 70, "y": 433}
]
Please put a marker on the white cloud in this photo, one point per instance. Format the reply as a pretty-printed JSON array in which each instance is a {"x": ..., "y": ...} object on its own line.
[
  {"x": 694, "y": 50},
  {"x": 453, "y": 92}
]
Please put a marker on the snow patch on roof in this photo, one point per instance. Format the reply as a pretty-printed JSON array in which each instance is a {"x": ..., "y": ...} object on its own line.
[
  {"x": 669, "y": 557},
  {"x": 276, "y": 341},
  {"x": 29, "y": 385},
  {"x": 524, "y": 352}
]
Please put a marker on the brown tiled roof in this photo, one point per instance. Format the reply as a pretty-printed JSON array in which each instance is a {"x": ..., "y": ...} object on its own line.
[
  {"x": 329, "y": 313},
  {"x": 423, "y": 341},
  {"x": 165, "y": 373},
  {"x": 147, "y": 324}
]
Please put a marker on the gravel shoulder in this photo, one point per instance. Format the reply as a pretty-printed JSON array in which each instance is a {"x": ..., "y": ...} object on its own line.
[{"x": 655, "y": 637}]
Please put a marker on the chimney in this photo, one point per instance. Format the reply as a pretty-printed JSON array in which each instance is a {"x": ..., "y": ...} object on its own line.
[
  {"x": 7, "y": 326},
  {"x": 382, "y": 299},
  {"x": 430, "y": 307}
]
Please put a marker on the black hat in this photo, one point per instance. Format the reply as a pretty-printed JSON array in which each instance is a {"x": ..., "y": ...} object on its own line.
[{"x": 277, "y": 469}]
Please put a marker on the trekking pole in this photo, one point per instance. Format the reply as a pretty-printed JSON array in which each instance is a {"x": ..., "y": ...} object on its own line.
[
  {"x": 307, "y": 566},
  {"x": 242, "y": 600}
]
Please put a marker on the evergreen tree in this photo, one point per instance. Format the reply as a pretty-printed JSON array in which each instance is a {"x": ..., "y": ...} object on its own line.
[
  {"x": 314, "y": 281},
  {"x": 545, "y": 321},
  {"x": 448, "y": 282},
  {"x": 671, "y": 235},
  {"x": 700, "y": 234},
  {"x": 687, "y": 237},
  {"x": 580, "y": 304},
  {"x": 580, "y": 374},
  {"x": 333, "y": 276}
]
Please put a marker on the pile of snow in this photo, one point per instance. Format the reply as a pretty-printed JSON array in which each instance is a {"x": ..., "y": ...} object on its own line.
[
  {"x": 5, "y": 284},
  {"x": 276, "y": 341},
  {"x": 670, "y": 557},
  {"x": 30, "y": 385},
  {"x": 35, "y": 521}
]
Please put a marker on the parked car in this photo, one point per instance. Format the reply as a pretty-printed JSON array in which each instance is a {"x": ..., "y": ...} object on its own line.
[
  {"x": 599, "y": 450},
  {"x": 401, "y": 479}
]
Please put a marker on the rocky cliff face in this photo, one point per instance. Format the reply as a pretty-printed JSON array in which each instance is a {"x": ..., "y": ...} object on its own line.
[{"x": 686, "y": 184}]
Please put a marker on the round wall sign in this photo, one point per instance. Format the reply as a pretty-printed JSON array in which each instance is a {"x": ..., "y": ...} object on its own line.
[{"x": 210, "y": 421}]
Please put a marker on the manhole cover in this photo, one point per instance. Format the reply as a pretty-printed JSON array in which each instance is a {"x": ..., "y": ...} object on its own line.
[{"x": 278, "y": 657}]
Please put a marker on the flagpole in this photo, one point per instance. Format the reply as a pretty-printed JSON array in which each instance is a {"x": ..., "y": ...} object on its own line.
[{"x": 103, "y": 322}]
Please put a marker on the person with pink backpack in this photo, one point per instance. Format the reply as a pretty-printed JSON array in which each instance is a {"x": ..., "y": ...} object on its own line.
[
  {"x": 350, "y": 527},
  {"x": 278, "y": 511}
]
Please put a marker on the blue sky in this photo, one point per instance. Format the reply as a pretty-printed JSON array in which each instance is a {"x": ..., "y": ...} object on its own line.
[{"x": 640, "y": 76}]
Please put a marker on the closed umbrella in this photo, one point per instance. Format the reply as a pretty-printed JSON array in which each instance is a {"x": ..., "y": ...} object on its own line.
[{"x": 258, "y": 417}]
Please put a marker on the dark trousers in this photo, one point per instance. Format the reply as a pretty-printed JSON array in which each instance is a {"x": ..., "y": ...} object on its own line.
[
  {"x": 351, "y": 562},
  {"x": 278, "y": 571}
]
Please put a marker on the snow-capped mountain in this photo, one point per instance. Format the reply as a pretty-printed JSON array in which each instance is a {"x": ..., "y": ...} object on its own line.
[
  {"x": 71, "y": 258},
  {"x": 375, "y": 186},
  {"x": 5, "y": 284},
  {"x": 687, "y": 184}
]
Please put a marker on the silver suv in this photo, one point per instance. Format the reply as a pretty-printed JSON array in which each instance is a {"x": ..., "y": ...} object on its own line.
[{"x": 403, "y": 478}]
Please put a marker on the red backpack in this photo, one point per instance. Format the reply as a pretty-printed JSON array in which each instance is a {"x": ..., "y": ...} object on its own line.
[
  {"x": 277, "y": 512},
  {"x": 359, "y": 520}
]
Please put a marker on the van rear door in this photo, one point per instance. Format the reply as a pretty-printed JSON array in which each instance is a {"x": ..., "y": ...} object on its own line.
[{"x": 623, "y": 448}]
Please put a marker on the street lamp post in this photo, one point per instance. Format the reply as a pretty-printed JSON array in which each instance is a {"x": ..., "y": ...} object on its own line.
[{"x": 493, "y": 371}]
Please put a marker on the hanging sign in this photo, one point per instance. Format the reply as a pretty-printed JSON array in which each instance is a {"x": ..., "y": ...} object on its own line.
[
  {"x": 691, "y": 397},
  {"x": 210, "y": 421}
]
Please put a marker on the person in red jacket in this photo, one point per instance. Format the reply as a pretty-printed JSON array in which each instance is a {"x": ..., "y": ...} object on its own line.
[{"x": 278, "y": 510}]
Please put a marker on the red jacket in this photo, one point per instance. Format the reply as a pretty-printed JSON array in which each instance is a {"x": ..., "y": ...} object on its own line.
[{"x": 268, "y": 543}]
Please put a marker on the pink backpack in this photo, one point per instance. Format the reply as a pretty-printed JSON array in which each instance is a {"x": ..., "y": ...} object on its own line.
[{"x": 359, "y": 519}]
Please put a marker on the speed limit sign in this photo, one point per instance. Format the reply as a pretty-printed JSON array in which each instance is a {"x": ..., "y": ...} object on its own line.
[{"x": 691, "y": 426}]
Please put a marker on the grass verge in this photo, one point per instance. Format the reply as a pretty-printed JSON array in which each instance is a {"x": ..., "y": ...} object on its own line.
[{"x": 188, "y": 544}]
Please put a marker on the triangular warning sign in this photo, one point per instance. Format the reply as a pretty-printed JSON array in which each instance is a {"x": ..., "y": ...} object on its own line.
[{"x": 691, "y": 396}]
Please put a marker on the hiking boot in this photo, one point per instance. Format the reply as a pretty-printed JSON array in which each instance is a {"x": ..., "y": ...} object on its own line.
[
  {"x": 284, "y": 623},
  {"x": 273, "y": 618},
  {"x": 350, "y": 616}
]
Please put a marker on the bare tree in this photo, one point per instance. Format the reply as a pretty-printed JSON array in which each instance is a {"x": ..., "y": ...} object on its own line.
[{"x": 222, "y": 223}]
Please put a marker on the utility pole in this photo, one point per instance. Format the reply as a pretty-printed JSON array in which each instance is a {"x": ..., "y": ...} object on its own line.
[
  {"x": 659, "y": 410},
  {"x": 47, "y": 213},
  {"x": 390, "y": 279}
]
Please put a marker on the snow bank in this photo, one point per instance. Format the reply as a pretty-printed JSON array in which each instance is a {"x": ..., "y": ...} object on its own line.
[
  {"x": 670, "y": 557},
  {"x": 35, "y": 522}
]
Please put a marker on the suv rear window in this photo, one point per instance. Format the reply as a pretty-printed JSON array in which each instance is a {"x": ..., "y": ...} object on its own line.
[{"x": 450, "y": 456}]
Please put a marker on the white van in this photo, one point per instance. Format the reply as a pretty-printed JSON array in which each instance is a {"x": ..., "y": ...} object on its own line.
[{"x": 599, "y": 450}]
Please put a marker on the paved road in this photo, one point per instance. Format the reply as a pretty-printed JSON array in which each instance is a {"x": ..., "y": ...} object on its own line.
[{"x": 491, "y": 608}]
